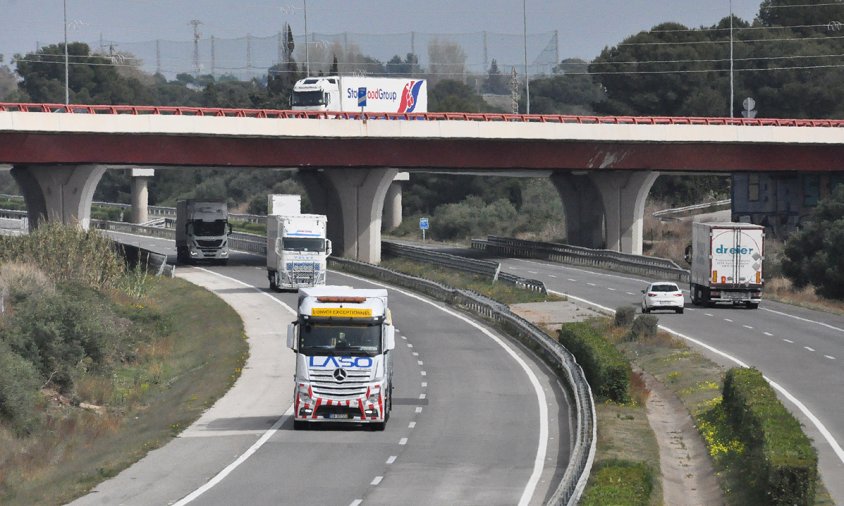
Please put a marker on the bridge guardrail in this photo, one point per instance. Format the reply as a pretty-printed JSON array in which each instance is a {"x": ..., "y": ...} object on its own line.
[
  {"x": 604, "y": 259},
  {"x": 678, "y": 210},
  {"x": 582, "y": 456},
  {"x": 463, "y": 264}
]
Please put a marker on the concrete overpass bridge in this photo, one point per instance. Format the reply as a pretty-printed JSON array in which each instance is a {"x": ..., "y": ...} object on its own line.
[{"x": 602, "y": 167}]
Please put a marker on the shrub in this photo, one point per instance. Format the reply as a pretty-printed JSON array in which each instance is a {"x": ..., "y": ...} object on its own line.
[
  {"x": 605, "y": 367},
  {"x": 784, "y": 464},
  {"x": 624, "y": 315},
  {"x": 20, "y": 281},
  {"x": 643, "y": 326},
  {"x": 18, "y": 391},
  {"x": 619, "y": 482}
]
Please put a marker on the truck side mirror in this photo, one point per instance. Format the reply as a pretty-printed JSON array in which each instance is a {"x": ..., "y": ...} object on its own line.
[
  {"x": 328, "y": 247},
  {"x": 230, "y": 228},
  {"x": 291, "y": 336},
  {"x": 688, "y": 254},
  {"x": 389, "y": 338}
]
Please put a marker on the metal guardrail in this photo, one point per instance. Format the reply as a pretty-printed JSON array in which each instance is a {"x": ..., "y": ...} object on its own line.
[
  {"x": 239, "y": 241},
  {"x": 599, "y": 258},
  {"x": 679, "y": 210},
  {"x": 463, "y": 264},
  {"x": 582, "y": 455}
]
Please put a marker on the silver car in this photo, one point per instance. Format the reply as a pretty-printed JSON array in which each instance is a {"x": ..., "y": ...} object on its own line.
[{"x": 662, "y": 295}]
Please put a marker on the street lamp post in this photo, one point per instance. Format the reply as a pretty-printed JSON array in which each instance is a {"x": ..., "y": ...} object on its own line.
[
  {"x": 732, "y": 94},
  {"x": 66, "y": 64},
  {"x": 527, "y": 76},
  {"x": 307, "y": 56}
]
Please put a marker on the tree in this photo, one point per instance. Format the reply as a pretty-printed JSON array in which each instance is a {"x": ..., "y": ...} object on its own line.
[
  {"x": 570, "y": 91},
  {"x": 447, "y": 60},
  {"x": 496, "y": 82},
  {"x": 453, "y": 96},
  {"x": 408, "y": 67},
  {"x": 815, "y": 254}
]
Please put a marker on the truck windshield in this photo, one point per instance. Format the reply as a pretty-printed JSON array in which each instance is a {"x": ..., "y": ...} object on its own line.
[
  {"x": 216, "y": 228},
  {"x": 303, "y": 244},
  {"x": 345, "y": 339},
  {"x": 307, "y": 98}
]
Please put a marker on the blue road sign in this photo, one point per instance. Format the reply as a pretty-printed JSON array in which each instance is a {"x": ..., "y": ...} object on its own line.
[{"x": 423, "y": 223}]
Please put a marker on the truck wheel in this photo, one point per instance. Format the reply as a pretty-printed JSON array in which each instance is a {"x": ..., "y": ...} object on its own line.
[
  {"x": 300, "y": 425},
  {"x": 752, "y": 305},
  {"x": 695, "y": 297},
  {"x": 645, "y": 310},
  {"x": 680, "y": 310},
  {"x": 379, "y": 427}
]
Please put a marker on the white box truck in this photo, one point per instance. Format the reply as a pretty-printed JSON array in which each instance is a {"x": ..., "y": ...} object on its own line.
[
  {"x": 202, "y": 231},
  {"x": 343, "y": 339},
  {"x": 284, "y": 204},
  {"x": 297, "y": 249},
  {"x": 360, "y": 94},
  {"x": 726, "y": 263}
]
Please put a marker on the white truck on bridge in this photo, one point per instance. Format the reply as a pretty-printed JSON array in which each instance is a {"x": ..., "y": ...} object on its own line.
[
  {"x": 202, "y": 231},
  {"x": 343, "y": 339},
  {"x": 360, "y": 94},
  {"x": 726, "y": 263},
  {"x": 297, "y": 247}
]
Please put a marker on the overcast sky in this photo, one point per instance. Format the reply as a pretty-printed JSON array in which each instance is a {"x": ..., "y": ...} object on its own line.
[{"x": 585, "y": 26}]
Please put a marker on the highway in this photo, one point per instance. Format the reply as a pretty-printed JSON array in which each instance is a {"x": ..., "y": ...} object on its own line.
[
  {"x": 800, "y": 350},
  {"x": 476, "y": 420}
]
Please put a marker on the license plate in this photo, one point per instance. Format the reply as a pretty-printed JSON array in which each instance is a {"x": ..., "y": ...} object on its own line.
[{"x": 338, "y": 416}]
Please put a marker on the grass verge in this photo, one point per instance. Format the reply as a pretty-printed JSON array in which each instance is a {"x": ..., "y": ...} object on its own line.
[{"x": 145, "y": 404}]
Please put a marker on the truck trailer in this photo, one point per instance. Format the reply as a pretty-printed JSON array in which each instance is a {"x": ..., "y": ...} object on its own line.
[
  {"x": 343, "y": 339},
  {"x": 202, "y": 231},
  {"x": 726, "y": 263},
  {"x": 297, "y": 250},
  {"x": 360, "y": 94}
]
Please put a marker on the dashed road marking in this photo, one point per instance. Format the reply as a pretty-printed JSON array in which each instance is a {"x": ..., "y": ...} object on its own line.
[
  {"x": 403, "y": 441},
  {"x": 573, "y": 280},
  {"x": 768, "y": 334},
  {"x": 356, "y": 502},
  {"x": 747, "y": 327},
  {"x": 423, "y": 373},
  {"x": 418, "y": 409},
  {"x": 377, "y": 480},
  {"x": 422, "y": 396},
  {"x": 808, "y": 348},
  {"x": 829, "y": 357},
  {"x": 391, "y": 459},
  {"x": 411, "y": 425},
  {"x": 419, "y": 362},
  {"x": 709, "y": 314},
  {"x": 552, "y": 276},
  {"x": 424, "y": 384},
  {"x": 728, "y": 320},
  {"x": 610, "y": 288},
  {"x": 788, "y": 341},
  {"x": 415, "y": 354},
  {"x": 591, "y": 284}
]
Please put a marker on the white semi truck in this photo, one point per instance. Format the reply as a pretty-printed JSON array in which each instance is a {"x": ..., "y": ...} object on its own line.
[
  {"x": 202, "y": 231},
  {"x": 343, "y": 339},
  {"x": 297, "y": 250},
  {"x": 360, "y": 94},
  {"x": 726, "y": 263}
]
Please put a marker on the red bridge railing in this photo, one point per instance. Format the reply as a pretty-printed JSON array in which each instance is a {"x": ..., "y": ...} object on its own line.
[{"x": 430, "y": 116}]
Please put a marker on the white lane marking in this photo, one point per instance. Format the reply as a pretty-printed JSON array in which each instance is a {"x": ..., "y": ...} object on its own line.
[
  {"x": 610, "y": 288},
  {"x": 836, "y": 448},
  {"x": 808, "y": 349},
  {"x": 424, "y": 384},
  {"x": 822, "y": 324},
  {"x": 403, "y": 337},
  {"x": 591, "y": 284},
  {"x": 240, "y": 460},
  {"x": 410, "y": 345},
  {"x": 263, "y": 439},
  {"x": 418, "y": 409},
  {"x": 356, "y": 502},
  {"x": 747, "y": 327},
  {"x": 788, "y": 341},
  {"x": 829, "y": 357},
  {"x": 403, "y": 441},
  {"x": 728, "y": 320},
  {"x": 542, "y": 446},
  {"x": 768, "y": 334},
  {"x": 552, "y": 276},
  {"x": 411, "y": 425},
  {"x": 415, "y": 353},
  {"x": 709, "y": 314},
  {"x": 419, "y": 362},
  {"x": 630, "y": 293},
  {"x": 423, "y": 373},
  {"x": 533, "y": 272},
  {"x": 391, "y": 459},
  {"x": 422, "y": 396},
  {"x": 573, "y": 280},
  {"x": 377, "y": 480}
]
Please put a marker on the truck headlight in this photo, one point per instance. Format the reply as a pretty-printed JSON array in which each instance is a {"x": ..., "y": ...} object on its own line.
[
  {"x": 304, "y": 397},
  {"x": 374, "y": 394}
]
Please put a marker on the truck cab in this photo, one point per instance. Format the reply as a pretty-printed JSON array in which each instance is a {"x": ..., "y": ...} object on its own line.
[
  {"x": 202, "y": 231},
  {"x": 343, "y": 339},
  {"x": 316, "y": 94}
]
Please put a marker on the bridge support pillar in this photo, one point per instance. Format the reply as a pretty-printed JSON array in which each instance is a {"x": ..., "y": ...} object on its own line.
[
  {"x": 623, "y": 195},
  {"x": 583, "y": 209},
  {"x": 140, "y": 194},
  {"x": 353, "y": 201},
  {"x": 392, "y": 202},
  {"x": 60, "y": 193}
]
